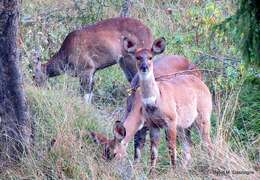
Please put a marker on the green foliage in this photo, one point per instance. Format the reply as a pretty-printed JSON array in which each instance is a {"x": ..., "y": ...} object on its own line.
[
  {"x": 60, "y": 114},
  {"x": 247, "y": 122},
  {"x": 111, "y": 87},
  {"x": 244, "y": 28}
]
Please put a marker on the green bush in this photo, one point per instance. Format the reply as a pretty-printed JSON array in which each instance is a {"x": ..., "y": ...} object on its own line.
[{"x": 60, "y": 114}]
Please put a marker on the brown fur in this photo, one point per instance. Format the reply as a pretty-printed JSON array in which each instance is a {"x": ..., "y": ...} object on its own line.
[
  {"x": 179, "y": 103},
  {"x": 164, "y": 65},
  {"x": 182, "y": 102},
  {"x": 96, "y": 47},
  {"x": 169, "y": 65}
]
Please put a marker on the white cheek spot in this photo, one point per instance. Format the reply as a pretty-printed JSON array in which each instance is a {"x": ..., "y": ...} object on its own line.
[
  {"x": 149, "y": 100},
  {"x": 88, "y": 97},
  {"x": 145, "y": 76}
]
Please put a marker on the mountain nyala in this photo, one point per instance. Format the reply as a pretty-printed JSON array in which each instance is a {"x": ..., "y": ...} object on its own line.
[
  {"x": 175, "y": 104},
  {"x": 94, "y": 47}
]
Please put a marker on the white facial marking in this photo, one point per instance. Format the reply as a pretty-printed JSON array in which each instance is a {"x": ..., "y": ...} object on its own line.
[
  {"x": 145, "y": 76},
  {"x": 149, "y": 100},
  {"x": 88, "y": 97}
]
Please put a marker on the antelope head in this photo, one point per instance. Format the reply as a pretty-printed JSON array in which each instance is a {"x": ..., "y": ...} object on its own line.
[
  {"x": 144, "y": 56},
  {"x": 111, "y": 146},
  {"x": 144, "y": 65}
]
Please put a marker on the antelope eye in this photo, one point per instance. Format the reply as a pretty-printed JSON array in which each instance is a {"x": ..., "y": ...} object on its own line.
[{"x": 150, "y": 58}]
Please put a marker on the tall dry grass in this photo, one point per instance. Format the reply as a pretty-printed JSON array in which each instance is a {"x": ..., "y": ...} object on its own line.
[{"x": 63, "y": 151}]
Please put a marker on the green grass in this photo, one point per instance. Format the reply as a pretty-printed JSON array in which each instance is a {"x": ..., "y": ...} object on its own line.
[
  {"x": 63, "y": 117},
  {"x": 59, "y": 113}
]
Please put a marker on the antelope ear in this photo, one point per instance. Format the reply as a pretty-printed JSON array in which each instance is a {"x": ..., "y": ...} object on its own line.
[
  {"x": 119, "y": 131},
  {"x": 98, "y": 138},
  {"x": 159, "y": 46},
  {"x": 129, "y": 45}
]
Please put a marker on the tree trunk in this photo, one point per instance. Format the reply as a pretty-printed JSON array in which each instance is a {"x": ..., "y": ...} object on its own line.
[
  {"x": 15, "y": 130},
  {"x": 126, "y": 5}
]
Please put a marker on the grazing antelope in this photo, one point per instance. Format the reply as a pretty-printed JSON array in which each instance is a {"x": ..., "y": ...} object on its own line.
[
  {"x": 95, "y": 47},
  {"x": 176, "y": 103},
  {"x": 164, "y": 65}
]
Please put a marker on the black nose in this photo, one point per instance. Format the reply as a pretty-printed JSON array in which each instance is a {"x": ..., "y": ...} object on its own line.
[{"x": 144, "y": 67}]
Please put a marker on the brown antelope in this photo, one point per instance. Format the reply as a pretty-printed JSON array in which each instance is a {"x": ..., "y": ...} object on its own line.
[
  {"x": 176, "y": 103},
  {"x": 95, "y": 47},
  {"x": 162, "y": 66}
]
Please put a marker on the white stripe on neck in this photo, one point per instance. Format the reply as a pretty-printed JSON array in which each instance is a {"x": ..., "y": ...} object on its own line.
[
  {"x": 149, "y": 100},
  {"x": 145, "y": 76},
  {"x": 141, "y": 126}
]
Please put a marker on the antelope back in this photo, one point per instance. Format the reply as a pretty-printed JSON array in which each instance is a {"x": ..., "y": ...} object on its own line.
[
  {"x": 98, "y": 46},
  {"x": 171, "y": 64}
]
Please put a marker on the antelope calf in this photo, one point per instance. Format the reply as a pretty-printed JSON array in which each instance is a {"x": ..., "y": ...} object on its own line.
[
  {"x": 95, "y": 47},
  {"x": 176, "y": 103},
  {"x": 163, "y": 66}
]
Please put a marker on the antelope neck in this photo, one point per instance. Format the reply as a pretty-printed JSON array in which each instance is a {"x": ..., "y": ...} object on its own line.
[{"x": 149, "y": 88}]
